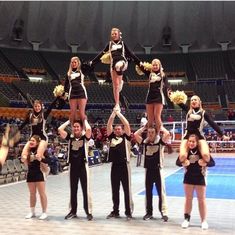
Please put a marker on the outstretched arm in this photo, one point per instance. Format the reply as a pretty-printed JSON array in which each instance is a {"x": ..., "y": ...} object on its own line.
[
  {"x": 51, "y": 106},
  {"x": 138, "y": 134},
  {"x": 126, "y": 124},
  {"x": 97, "y": 58},
  {"x": 61, "y": 130},
  {"x": 130, "y": 54},
  {"x": 110, "y": 123},
  {"x": 215, "y": 126}
]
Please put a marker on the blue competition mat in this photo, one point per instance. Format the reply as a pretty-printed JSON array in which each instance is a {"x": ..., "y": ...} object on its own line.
[{"x": 220, "y": 181}]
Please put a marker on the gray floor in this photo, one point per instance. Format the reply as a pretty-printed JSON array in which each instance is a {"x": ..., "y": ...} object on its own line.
[{"x": 14, "y": 200}]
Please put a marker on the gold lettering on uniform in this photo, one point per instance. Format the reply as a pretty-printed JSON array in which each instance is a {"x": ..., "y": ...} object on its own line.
[
  {"x": 193, "y": 158},
  {"x": 116, "y": 141},
  {"x": 151, "y": 150},
  {"x": 76, "y": 144}
]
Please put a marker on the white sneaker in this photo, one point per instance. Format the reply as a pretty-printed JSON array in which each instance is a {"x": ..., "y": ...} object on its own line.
[
  {"x": 204, "y": 225},
  {"x": 30, "y": 215},
  {"x": 43, "y": 216},
  {"x": 185, "y": 224},
  {"x": 121, "y": 85}
]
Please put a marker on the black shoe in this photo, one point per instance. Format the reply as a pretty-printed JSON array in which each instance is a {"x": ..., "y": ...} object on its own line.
[
  {"x": 89, "y": 217},
  {"x": 165, "y": 218},
  {"x": 129, "y": 217},
  {"x": 113, "y": 215},
  {"x": 147, "y": 217},
  {"x": 70, "y": 215}
]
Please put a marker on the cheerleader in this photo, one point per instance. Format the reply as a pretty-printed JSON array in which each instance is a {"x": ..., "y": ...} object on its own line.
[
  {"x": 157, "y": 92},
  {"x": 194, "y": 180},
  {"x": 119, "y": 53},
  {"x": 36, "y": 119},
  {"x": 153, "y": 163},
  {"x": 195, "y": 120},
  {"x": 75, "y": 90},
  {"x": 36, "y": 177},
  {"x": 79, "y": 170}
]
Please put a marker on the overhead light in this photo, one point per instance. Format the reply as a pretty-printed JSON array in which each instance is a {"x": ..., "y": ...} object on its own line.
[
  {"x": 175, "y": 80},
  {"x": 35, "y": 79}
]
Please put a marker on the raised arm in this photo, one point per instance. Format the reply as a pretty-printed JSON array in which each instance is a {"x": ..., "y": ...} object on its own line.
[
  {"x": 51, "y": 106},
  {"x": 87, "y": 129},
  {"x": 138, "y": 134},
  {"x": 125, "y": 122},
  {"x": 110, "y": 123},
  {"x": 63, "y": 134}
]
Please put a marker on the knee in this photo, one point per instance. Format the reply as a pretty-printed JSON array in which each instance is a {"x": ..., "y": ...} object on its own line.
[{"x": 206, "y": 157}]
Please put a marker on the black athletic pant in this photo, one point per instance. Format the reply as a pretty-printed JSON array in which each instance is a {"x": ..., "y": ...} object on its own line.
[
  {"x": 120, "y": 174},
  {"x": 78, "y": 172},
  {"x": 154, "y": 176}
]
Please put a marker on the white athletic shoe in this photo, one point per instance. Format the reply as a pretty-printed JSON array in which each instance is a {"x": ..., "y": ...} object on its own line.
[
  {"x": 204, "y": 225},
  {"x": 43, "y": 216},
  {"x": 30, "y": 215},
  {"x": 121, "y": 85},
  {"x": 185, "y": 224}
]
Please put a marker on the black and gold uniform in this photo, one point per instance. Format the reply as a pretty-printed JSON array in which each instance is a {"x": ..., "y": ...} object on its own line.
[
  {"x": 118, "y": 51},
  {"x": 153, "y": 163},
  {"x": 37, "y": 121},
  {"x": 79, "y": 170},
  {"x": 194, "y": 173},
  {"x": 195, "y": 121},
  {"x": 119, "y": 155},
  {"x": 74, "y": 85},
  {"x": 34, "y": 173}
]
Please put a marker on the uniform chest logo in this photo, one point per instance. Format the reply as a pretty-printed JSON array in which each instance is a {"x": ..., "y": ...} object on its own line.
[
  {"x": 116, "y": 141},
  {"x": 76, "y": 144},
  {"x": 194, "y": 117},
  {"x": 155, "y": 77},
  {"x": 116, "y": 47},
  {"x": 193, "y": 158},
  {"x": 74, "y": 75},
  {"x": 150, "y": 150}
]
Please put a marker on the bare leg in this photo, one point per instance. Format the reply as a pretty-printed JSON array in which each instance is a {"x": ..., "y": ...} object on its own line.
[
  {"x": 201, "y": 196},
  {"x": 3, "y": 154},
  {"x": 183, "y": 150},
  {"x": 42, "y": 148},
  {"x": 157, "y": 115},
  {"x": 41, "y": 187},
  {"x": 25, "y": 151},
  {"x": 204, "y": 150},
  {"x": 73, "y": 110},
  {"x": 82, "y": 107},
  {"x": 150, "y": 114},
  {"x": 32, "y": 191},
  {"x": 188, "y": 190},
  {"x": 116, "y": 83}
]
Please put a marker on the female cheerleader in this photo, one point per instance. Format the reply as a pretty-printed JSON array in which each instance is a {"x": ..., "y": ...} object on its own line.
[
  {"x": 195, "y": 118},
  {"x": 194, "y": 180},
  {"x": 37, "y": 122},
  {"x": 35, "y": 177},
  {"x": 157, "y": 92},
  {"x": 75, "y": 90},
  {"x": 119, "y": 53}
]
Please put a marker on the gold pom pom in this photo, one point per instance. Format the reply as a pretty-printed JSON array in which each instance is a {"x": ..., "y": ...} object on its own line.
[
  {"x": 58, "y": 90},
  {"x": 145, "y": 65},
  {"x": 178, "y": 97},
  {"x": 105, "y": 59}
]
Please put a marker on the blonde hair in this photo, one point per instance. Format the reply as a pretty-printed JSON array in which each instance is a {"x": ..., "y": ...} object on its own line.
[
  {"x": 119, "y": 31},
  {"x": 70, "y": 66},
  {"x": 200, "y": 104},
  {"x": 160, "y": 66}
]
